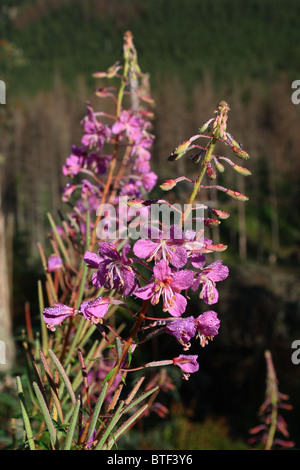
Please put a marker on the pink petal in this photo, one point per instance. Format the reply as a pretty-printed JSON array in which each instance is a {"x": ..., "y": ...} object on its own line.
[
  {"x": 179, "y": 307},
  {"x": 183, "y": 279},
  {"x": 145, "y": 292},
  {"x": 161, "y": 270},
  {"x": 143, "y": 248}
]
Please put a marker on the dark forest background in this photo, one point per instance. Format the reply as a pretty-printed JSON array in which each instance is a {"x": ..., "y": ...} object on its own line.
[{"x": 197, "y": 53}]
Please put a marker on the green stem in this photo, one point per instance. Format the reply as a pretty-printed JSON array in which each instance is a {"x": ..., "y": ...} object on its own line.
[{"x": 208, "y": 156}]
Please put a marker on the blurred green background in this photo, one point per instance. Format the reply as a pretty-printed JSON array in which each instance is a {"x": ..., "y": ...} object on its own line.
[{"x": 197, "y": 53}]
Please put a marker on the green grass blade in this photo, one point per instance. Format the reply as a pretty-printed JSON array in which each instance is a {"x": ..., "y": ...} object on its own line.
[
  {"x": 26, "y": 420},
  {"x": 63, "y": 375},
  {"x": 59, "y": 240},
  {"x": 69, "y": 438},
  {"x": 139, "y": 399},
  {"x": 122, "y": 429},
  {"x": 43, "y": 324},
  {"x": 111, "y": 425},
  {"x": 53, "y": 387},
  {"x": 46, "y": 414},
  {"x": 97, "y": 410}
]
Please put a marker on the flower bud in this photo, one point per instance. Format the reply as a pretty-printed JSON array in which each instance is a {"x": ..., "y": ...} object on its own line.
[
  {"x": 237, "y": 195},
  {"x": 240, "y": 169},
  {"x": 206, "y": 126},
  {"x": 180, "y": 150},
  {"x": 209, "y": 223},
  {"x": 240, "y": 152},
  {"x": 219, "y": 213},
  {"x": 168, "y": 184}
]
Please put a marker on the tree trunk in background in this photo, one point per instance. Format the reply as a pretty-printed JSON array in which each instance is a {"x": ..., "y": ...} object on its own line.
[
  {"x": 7, "y": 344},
  {"x": 274, "y": 214}
]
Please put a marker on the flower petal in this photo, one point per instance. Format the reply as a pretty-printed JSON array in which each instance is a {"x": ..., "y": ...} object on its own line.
[
  {"x": 92, "y": 259},
  {"x": 145, "y": 292},
  {"x": 179, "y": 307},
  {"x": 208, "y": 323},
  {"x": 108, "y": 250},
  {"x": 143, "y": 248},
  {"x": 161, "y": 270},
  {"x": 183, "y": 279}
]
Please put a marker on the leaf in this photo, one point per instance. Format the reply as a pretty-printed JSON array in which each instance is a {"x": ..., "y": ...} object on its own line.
[
  {"x": 139, "y": 399},
  {"x": 110, "y": 426},
  {"x": 63, "y": 375},
  {"x": 59, "y": 240},
  {"x": 110, "y": 374},
  {"x": 124, "y": 427},
  {"x": 46, "y": 414},
  {"x": 97, "y": 410},
  {"x": 26, "y": 420},
  {"x": 69, "y": 438},
  {"x": 53, "y": 387}
]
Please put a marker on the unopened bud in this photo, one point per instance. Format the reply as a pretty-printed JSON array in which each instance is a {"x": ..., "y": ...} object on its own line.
[
  {"x": 240, "y": 152},
  {"x": 179, "y": 151},
  {"x": 219, "y": 166},
  {"x": 206, "y": 126},
  {"x": 219, "y": 247},
  {"x": 168, "y": 184},
  {"x": 240, "y": 169},
  {"x": 209, "y": 223},
  {"x": 210, "y": 171},
  {"x": 219, "y": 213},
  {"x": 237, "y": 195}
]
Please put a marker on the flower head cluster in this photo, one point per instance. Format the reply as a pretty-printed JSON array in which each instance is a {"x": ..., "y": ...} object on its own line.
[{"x": 166, "y": 264}]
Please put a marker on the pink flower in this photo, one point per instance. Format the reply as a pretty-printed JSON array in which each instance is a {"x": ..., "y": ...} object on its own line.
[
  {"x": 73, "y": 165},
  {"x": 94, "y": 310},
  {"x": 149, "y": 180},
  {"x": 208, "y": 277},
  {"x": 163, "y": 246},
  {"x": 57, "y": 314},
  {"x": 95, "y": 133},
  {"x": 167, "y": 284},
  {"x": 114, "y": 270},
  {"x": 130, "y": 124},
  {"x": 187, "y": 363},
  {"x": 183, "y": 330},
  {"x": 208, "y": 324},
  {"x": 54, "y": 263}
]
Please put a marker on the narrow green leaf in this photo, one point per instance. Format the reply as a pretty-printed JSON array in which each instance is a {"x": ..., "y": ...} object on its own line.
[
  {"x": 53, "y": 387},
  {"x": 26, "y": 420},
  {"x": 82, "y": 285},
  {"x": 43, "y": 324},
  {"x": 127, "y": 424},
  {"x": 69, "y": 438},
  {"x": 111, "y": 425},
  {"x": 97, "y": 410},
  {"x": 59, "y": 240},
  {"x": 139, "y": 399},
  {"x": 63, "y": 374},
  {"x": 134, "y": 390},
  {"x": 46, "y": 414},
  {"x": 119, "y": 348},
  {"x": 109, "y": 375}
]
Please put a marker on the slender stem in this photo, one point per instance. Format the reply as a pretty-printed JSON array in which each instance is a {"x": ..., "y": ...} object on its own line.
[
  {"x": 115, "y": 152},
  {"x": 128, "y": 343},
  {"x": 210, "y": 148}
]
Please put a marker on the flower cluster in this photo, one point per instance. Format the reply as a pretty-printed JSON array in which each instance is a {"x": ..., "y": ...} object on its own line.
[{"x": 167, "y": 264}]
